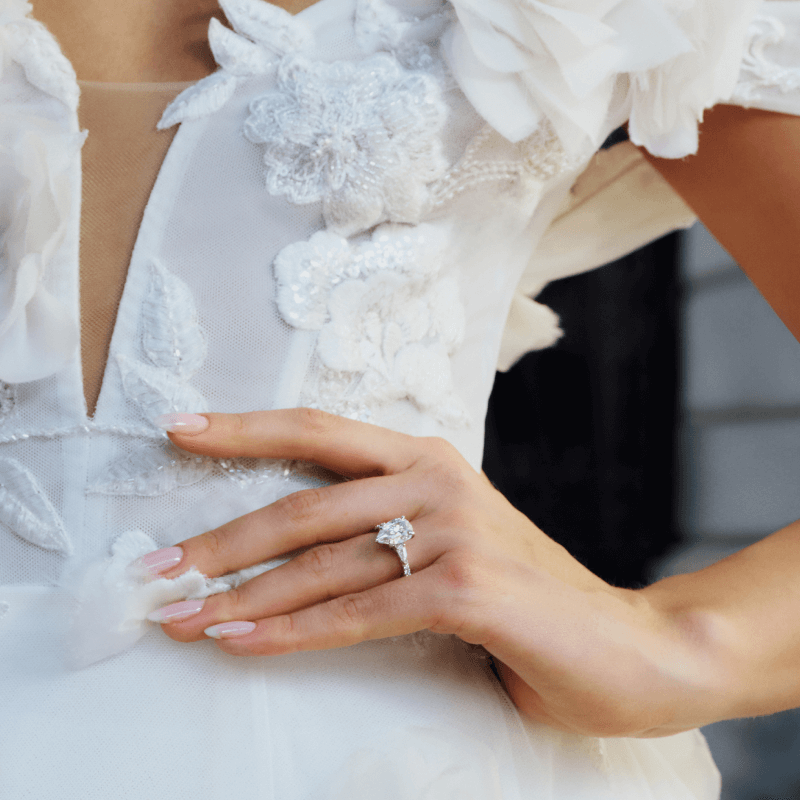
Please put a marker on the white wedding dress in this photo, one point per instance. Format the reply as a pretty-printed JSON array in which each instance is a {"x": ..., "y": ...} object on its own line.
[{"x": 352, "y": 215}]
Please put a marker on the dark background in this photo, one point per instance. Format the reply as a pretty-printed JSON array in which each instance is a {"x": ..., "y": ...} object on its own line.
[{"x": 581, "y": 437}]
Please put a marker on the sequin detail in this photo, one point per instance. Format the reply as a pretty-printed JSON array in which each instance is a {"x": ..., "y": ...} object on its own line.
[
  {"x": 387, "y": 316},
  {"x": 25, "y": 509},
  {"x": 362, "y": 138}
]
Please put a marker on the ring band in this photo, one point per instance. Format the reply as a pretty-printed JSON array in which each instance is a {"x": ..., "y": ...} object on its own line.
[{"x": 395, "y": 534}]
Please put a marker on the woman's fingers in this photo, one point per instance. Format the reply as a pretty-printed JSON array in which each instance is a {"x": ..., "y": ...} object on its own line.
[
  {"x": 315, "y": 576},
  {"x": 299, "y": 520},
  {"x": 354, "y": 449},
  {"x": 396, "y": 608}
]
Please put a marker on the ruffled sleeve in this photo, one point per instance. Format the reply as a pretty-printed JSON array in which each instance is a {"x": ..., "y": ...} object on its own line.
[
  {"x": 39, "y": 198},
  {"x": 581, "y": 63},
  {"x": 770, "y": 73}
]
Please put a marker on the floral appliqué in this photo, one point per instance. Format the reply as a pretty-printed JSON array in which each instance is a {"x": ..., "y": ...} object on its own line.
[
  {"x": 388, "y": 320},
  {"x": 363, "y": 138}
]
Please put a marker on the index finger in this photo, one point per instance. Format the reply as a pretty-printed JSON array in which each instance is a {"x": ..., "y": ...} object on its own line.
[{"x": 350, "y": 448}]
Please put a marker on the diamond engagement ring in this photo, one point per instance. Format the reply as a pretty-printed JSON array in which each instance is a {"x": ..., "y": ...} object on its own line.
[{"x": 395, "y": 534}]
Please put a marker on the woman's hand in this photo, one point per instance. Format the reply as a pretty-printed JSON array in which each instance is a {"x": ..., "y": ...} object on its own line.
[{"x": 573, "y": 651}]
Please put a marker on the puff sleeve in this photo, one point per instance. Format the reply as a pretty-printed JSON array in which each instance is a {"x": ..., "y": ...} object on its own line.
[{"x": 580, "y": 63}]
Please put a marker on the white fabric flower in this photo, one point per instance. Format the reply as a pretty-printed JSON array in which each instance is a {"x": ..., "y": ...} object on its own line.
[
  {"x": 386, "y": 329},
  {"x": 38, "y": 328},
  {"x": 39, "y": 147},
  {"x": 519, "y": 61},
  {"x": 306, "y": 272},
  {"x": 363, "y": 138}
]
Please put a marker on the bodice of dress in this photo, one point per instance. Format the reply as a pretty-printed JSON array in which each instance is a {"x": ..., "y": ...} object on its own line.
[
  {"x": 337, "y": 223},
  {"x": 343, "y": 219}
]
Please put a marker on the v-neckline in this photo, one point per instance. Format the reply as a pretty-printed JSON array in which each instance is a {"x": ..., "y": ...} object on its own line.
[{"x": 316, "y": 14}]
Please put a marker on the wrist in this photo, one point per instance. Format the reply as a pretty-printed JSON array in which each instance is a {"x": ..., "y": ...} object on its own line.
[{"x": 696, "y": 661}]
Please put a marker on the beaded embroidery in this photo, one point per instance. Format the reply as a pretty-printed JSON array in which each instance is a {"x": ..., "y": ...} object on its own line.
[
  {"x": 25, "y": 509},
  {"x": 363, "y": 138},
  {"x": 538, "y": 158}
]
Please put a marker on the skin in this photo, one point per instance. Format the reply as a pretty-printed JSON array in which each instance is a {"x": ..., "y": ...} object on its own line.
[{"x": 574, "y": 652}]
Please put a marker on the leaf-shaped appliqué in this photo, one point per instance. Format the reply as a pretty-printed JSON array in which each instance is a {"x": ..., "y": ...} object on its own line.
[
  {"x": 199, "y": 100},
  {"x": 236, "y": 54},
  {"x": 25, "y": 509},
  {"x": 267, "y": 24},
  {"x": 157, "y": 390},
  {"x": 152, "y": 471},
  {"x": 171, "y": 335}
]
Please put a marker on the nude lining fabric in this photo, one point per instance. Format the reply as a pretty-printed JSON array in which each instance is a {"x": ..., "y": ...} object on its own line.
[{"x": 121, "y": 159}]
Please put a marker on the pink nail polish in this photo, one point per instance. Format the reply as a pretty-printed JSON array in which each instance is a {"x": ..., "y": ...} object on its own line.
[
  {"x": 175, "y": 612},
  {"x": 158, "y": 562},
  {"x": 228, "y": 630},
  {"x": 181, "y": 423}
]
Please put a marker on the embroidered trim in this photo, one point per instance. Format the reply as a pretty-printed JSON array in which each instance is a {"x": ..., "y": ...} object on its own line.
[
  {"x": 363, "y": 138},
  {"x": 25, "y": 509},
  {"x": 75, "y": 430},
  {"x": 758, "y": 72}
]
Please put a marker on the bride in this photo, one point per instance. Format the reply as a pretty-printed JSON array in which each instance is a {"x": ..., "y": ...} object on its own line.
[{"x": 305, "y": 234}]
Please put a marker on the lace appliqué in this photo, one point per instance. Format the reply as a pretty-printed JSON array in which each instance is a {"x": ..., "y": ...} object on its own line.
[
  {"x": 174, "y": 349},
  {"x": 758, "y": 72},
  {"x": 491, "y": 159},
  {"x": 363, "y": 138},
  {"x": 387, "y": 320},
  {"x": 262, "y": 34},
  {"x": 25, "y": 509}
]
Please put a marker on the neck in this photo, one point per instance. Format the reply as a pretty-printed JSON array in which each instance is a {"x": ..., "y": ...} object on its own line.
[{"x": 137, "y": 41}]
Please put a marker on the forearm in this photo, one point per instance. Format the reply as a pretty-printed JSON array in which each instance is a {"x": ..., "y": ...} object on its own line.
[{"x": 741, "y": 620}]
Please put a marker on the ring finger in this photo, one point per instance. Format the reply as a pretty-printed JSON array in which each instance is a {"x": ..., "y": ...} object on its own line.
[{"x": 319, "y": 574}]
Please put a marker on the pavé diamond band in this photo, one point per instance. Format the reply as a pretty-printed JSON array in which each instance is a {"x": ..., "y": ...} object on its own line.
[{"x": 395, "y": 534}]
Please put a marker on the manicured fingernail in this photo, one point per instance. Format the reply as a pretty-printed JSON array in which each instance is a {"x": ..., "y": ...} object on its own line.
[
  {"x": 158, "y": 561},
  {"x": 175, "y": 612},
  {"x": 181, "y": 423},
  {"x": 227, "y": 630}
]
